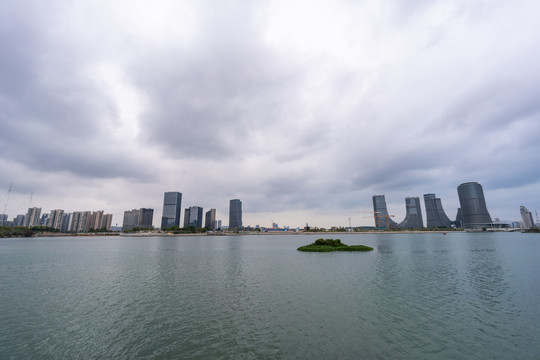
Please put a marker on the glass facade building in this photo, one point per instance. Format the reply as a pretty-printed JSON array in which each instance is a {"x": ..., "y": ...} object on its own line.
[
  {"x": 413, "y": 218},
  {"x": 235, "y": 214},
  {"x": 382, "y": 218},
  {"x": 193, "y": 216},
  {"x": 473, "y": 206},
  {"x": 172, "y": 204},
  {"x": 526, "y": 217},
  {"x": 435, "y": 215},
  {"x": 210, "y": 219}
]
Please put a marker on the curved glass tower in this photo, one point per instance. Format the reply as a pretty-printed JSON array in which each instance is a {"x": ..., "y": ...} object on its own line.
[
  {"x": 382, "y": 219},
  {"x": 413, "y": 218},
  {"x": 435, "y": 215},
  {"x": 473, "y": 206},
  {"x": 526, "y": 217}
]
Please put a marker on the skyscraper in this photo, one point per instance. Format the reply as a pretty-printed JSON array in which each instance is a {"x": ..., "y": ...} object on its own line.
[
  {"x": 210, "y": 219},
  {"x": 146, "y": 218},
  {"x": 526, "y": 217},
  {"x": 235, "y": 214},
  {"x": 413, "y": 217},
  {"x": 186, "y": 217},
  {"x": 172, "y": 203},
  {"x": 55, "y": 218},
  {"x": 195, "y": 216},
  {"x": 473, "y": 206},
  {"x": 32, "y": 217},
  {"x": 382, "y": 218},
  {"x": 138, "y": 218},
  {"x": 435, "y": 215}
]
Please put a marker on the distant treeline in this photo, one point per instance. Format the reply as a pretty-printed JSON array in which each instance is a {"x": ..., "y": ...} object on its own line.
[{"x": 23, "y": 231}]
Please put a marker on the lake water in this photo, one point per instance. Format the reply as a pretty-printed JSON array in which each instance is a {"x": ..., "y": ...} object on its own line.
[{"x": 425, "y": 296}]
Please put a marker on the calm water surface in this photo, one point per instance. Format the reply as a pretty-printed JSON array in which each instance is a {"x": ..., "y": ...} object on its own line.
[{"x": 428, "y": 296}]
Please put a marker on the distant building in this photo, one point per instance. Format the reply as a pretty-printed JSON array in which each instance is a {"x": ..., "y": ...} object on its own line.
[
  {"x": 64, "y": 227},
  {"x": 218, "y": 224},
  {"x": 235, "y": 214},
  {"x": 107, "y": 221},
  {"x": 382, "y": 218},
  {"x": 55, "y": 218},
  {"x": 186, "y": 217},
  {"x": 142, "y": 218},
  {"x": 3, "y": 219},
  {"x": 210, "y": 219},
  {"x": 147, "y": 218},
  {"x": 81, "y": 221},
  {"x": 195, "y": 216},
  {"x": 131, "y": 219},
  {"x": 413, "y": 217},
  {"x": 19, "y": 220},
  {"x": 473, "y": 206},
  {"x": 435, "y": 215},
  {"x": 44, "y": 220},
  {"x": 32, "y": 217},
  {"x": 526, "y": 217},
  {"x": 172, "y": 204}
]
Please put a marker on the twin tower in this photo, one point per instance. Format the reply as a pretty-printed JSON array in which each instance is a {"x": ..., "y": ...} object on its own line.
[{"x": 473, "y": 212}]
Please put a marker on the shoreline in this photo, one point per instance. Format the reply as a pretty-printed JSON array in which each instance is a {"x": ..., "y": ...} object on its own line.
[{"x": 254, "y": 233}]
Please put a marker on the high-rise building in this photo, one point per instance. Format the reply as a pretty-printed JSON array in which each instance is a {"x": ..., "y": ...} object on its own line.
[
  {"x": 19, "y": 220},
  {"x": 172, "y": 203},
  {"x": 81, "y": 221},
  {"x": 44, "y": 220},
  {"x": 147, "y": 218},
  {"x": 131, "y": 219},
  {"x": 435, "y": 215},
  {"x": 473, "y": 206},
  {"x": 186, "y": 217},
  {"x": 195, "y": 216},
  {"x": 64, "y": 227},
  {"x": 382, "y": 218},
  {"x": 32, "y": 217},
  {"x": 55, "y": 218},
  {"x": 142, "y": 218},
  {"x": 413, "y": 217},
  {"x": 235, "y": 214},
  {"x": 3, "y": 219},
  {"x": 526, "y": 217},
  {"x": 107, "y": 220},
  {"x": 210, "y": 219}
]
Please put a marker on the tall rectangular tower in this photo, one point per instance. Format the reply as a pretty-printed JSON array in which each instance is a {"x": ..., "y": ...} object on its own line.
[
  {"x": 172, "y": 203},
  {"x": 235, "y": 214},
  {"x": 210, "y": 220},
  {"x": 195, "y": 216},
  {"x": 32, "y": 216}
]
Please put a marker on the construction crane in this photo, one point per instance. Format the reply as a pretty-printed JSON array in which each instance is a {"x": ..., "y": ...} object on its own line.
[
  {"x": 5, "y": 206},
  {"x": 385, "y": 216}
]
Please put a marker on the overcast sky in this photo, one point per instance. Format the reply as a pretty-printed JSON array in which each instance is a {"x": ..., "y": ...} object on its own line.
[{"x": 301, "y": 109}]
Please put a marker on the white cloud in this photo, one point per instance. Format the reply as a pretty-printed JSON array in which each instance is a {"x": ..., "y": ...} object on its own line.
[{"x": 301, "y": 109}]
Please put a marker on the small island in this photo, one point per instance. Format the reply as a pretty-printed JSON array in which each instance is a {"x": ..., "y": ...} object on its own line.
[{"x": 328, "y": 245}]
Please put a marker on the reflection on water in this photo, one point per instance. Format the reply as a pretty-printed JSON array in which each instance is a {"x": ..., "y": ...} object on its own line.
[{"x": 414, "y": 296}]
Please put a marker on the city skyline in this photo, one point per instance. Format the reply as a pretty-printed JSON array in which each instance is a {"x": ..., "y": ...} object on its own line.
[
  {"x": 413, "y": 217},
  {"x": 303, "y": 111}
]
